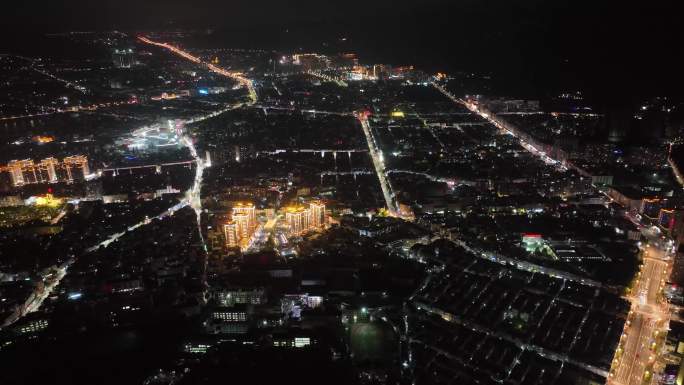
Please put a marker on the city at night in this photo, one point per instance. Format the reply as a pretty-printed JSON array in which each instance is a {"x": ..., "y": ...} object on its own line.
[{"x": 371, "y": 192}]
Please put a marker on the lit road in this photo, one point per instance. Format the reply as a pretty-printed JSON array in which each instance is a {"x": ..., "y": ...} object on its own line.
[
  {"x": 67, "y": 83},
  {"x": 378, "y": 163},
  {"x": 649, "y": 316},
  {"x": 93, "y": 107},
  {"x": 500, "y": 124},
  {"x": 237, "y": 76},
  {"x": 293, "y": 109}
]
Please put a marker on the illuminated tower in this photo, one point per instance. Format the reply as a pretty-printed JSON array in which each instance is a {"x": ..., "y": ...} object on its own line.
[
  {"x": 47, "y": 170},
  {"x": 298, "y": 219},
  {"x": 249, "y": 210},
  {"x": 317, "y": 210},
  {"x": 26, "y": 171},
  {"x": 230, "y": 230},
  {"x": 76, "y": 167},
  {"x": 15, "y": 168},
  {"x": 242, "y": 226}
]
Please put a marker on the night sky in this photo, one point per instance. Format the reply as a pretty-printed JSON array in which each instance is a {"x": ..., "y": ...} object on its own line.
[{"x": 611, "y": 51}]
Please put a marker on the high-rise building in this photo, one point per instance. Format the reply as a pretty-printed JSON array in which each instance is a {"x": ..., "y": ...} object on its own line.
[
  {"x": 28, "y": 172},
  {"x": 22, "y": 172},
  {"x": 249, "y": 210},
  {"x": 47, "y": 170},
  {"x": 317, "y": 212},
  {"x": 298, "y": 219},
  {"x": 230, "y": 230},
  {"x": 14, "y": 170},
  {"x": 76, "y": 168},
  {"x": 122, "y": 58},
  {"x": 242, "y": 227}
]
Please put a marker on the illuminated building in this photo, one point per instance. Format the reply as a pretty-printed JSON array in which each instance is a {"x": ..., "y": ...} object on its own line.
[
  {"x": 14, "y": 169},
  {"x": 33, "y": 326},
  {"x": 236, "y": 313},
  {"x": 317, "y": 210},
  {"x": 122, "y": 58},
  {"x": 311, "y": 61},
  {"x": 242, "y": 227},
  {"x": 249, "y": 210},
  {"x": 291, "y": 341},
  {"x": 232, "y": 295},
  {"x": 532, "y": 241},
  {"x": 380, "y": 71},
  {"x": 76, "y": 167},
  {"x": 231, "y": 233},
  {"x": 301, "y": 219},
  {"x": 47, "y": 170},
  {"x": 298, "y": 219},
  {"x": 28, "y": 172}
]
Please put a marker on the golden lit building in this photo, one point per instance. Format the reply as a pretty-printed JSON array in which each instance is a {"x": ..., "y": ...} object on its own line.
[
  {"x": 317, "y": 212},
  {"x": 298, "y": 219},
  {"x": 47, "y": 170},
  {"x": 230, "y": 230},
  {"x": 242, "y": 227},
  {"x": 76, "y": 167},
  {"x": 249, "y": 210},
  {"x": 22, "y": 172}
]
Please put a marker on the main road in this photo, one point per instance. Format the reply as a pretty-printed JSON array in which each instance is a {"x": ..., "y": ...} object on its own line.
[
  {"x": 379, "y": 164},
  {"x": 648, "y": 319},
  {"x": 500, "y": 124}
]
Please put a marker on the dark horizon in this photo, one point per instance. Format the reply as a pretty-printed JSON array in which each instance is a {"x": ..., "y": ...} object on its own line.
[{"x": 614, "y": 54}]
